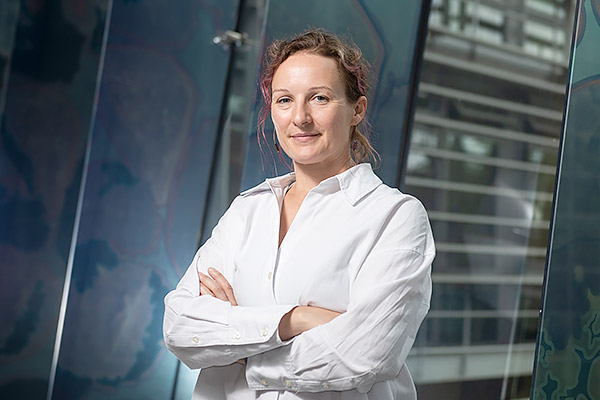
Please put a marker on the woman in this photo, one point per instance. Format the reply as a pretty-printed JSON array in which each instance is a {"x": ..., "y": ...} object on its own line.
[{"x": 313, "y": 284}]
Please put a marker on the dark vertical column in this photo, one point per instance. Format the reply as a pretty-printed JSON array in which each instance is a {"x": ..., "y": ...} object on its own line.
[
  {"x": 9, "y": 14},
  {"x": 568, "y": 349},
  {"x": 48, "y": 101}
]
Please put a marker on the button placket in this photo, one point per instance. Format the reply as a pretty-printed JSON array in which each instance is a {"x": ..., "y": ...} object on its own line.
[{"x": 271, "y": 272}]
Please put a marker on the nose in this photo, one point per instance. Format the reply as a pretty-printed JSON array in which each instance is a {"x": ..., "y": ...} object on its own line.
[{"x": 302, "y": 115}]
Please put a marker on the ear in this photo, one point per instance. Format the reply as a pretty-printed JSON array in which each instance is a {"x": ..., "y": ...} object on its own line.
[{"x": 360, "y": 109}]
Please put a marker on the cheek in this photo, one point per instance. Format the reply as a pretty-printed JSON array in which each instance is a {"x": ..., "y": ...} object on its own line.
[
  {"x": 279, "y": 119},
  {"x": 340, "y": 123},
  {"x": 341, "y": 117}
]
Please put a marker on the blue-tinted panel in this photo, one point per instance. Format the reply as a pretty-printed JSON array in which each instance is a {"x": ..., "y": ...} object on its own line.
[
  {"x": 158, "y": 107},
  {"x": 48, "y": 106},
  {"x": 568, "y": 351}
]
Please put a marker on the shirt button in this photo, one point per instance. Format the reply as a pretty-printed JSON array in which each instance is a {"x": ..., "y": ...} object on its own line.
[
  {"x": 195, "y": 339},
  {"x": 237, "y": 335},
  {"x": 325, "y": 386},
  {"x": 265, "y": 332},
  {"x": 269, "y": 275},
  {"x": 287, "y": 383},
  {"x": 264, "y": 382}
]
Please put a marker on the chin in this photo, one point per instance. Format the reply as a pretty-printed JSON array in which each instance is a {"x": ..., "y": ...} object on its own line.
[
  {"x": 305, "y": 162},
  {"x": 305, "y": 159}
]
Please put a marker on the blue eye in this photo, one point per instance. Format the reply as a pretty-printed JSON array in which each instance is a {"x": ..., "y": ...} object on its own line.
[
  {"x": 320, "y": 98},
  {"x": 283, "y": 100}
]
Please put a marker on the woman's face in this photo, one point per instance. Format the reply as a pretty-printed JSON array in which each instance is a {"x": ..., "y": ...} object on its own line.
[{"x": 311, "y": 113}]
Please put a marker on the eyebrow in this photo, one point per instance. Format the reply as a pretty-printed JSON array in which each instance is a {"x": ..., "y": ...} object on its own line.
[{"x": 310, "y": 89}]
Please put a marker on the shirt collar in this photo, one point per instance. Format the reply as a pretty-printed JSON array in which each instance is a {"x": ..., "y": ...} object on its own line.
[{"x": 355, "y": 183}]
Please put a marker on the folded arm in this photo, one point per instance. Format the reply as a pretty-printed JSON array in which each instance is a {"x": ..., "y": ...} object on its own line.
[
  {"x": 203, "y": 325},
  {"x": 367, "y": 344},
  {"x": 299, "y": 319},
  {"x": 204, "y": 331}
]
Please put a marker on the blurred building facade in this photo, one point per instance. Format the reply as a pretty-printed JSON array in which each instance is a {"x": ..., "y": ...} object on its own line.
[{"x": 482, "y": 158}]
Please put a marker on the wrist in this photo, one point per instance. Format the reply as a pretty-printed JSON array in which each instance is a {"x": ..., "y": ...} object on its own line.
[
  {"x": 300, "y": 319},
  {"x": 288, "y": 325}
]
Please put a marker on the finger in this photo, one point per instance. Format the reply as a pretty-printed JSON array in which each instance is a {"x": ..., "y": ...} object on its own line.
[
  {"x": 204, "y": 290},
  {"x": 200, "y": 282},
  {"x": 224, "y": 283},
  {"x": 213, "y": 286}
]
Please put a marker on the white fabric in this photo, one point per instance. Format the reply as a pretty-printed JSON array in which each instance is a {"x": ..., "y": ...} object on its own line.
[{"x": 356, "y": 246}]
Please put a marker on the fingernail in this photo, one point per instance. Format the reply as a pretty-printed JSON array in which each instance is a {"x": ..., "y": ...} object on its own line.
[{"x": 211, "y": 269}]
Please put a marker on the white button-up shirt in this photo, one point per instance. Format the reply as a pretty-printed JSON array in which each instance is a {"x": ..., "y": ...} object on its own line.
[{"x": 355, "y": 246}]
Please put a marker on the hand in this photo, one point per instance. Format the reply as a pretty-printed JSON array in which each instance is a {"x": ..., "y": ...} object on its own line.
[
  {"x": 302, "y": 318},
  {"x": 217, "y": 286}
]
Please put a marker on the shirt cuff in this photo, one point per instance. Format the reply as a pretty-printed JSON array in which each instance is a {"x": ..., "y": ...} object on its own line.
[
  {"x": 207, "y": 321},
  {"x": 256, "y": 324},
  {"x": 284, "y": 368}
]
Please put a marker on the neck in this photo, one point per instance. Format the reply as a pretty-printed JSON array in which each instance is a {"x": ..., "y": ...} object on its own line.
[{"x": 310, "y": 175}]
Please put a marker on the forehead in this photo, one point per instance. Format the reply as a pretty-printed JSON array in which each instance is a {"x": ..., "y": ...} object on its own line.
[{"x": 307, "y": 69}]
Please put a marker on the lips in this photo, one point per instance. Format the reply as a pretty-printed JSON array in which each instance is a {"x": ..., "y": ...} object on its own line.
[{"x": 304, "y": 137}]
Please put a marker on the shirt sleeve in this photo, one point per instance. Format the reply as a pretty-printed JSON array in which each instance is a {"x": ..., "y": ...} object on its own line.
[
  {"x": 370, "y": 342},
  {"x": 203, "y": 331}
]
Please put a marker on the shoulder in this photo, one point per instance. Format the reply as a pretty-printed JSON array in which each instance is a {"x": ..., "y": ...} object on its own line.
[
  {"x": 392, "y": 199},
  {"x": 251, "y": 199},
  {"x": 256, "y": 190},
  {"x": 367, "y": 192},
  {"x": 406, "y": 223}
]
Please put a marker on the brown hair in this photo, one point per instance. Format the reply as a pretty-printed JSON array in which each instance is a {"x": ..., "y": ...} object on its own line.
[{"x": 354, "y": 70}]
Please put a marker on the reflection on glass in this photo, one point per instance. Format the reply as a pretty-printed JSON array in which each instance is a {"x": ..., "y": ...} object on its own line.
[
  {"x": 233, "y": 129},
  {"x": 568, "y": 345},
  {"x": 482, "y": 159},
  {"x": 49, "y": 59}
]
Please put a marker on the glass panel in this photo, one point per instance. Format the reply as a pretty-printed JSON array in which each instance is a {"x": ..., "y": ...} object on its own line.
[
  {"x": 147, "y": 178},
  {"x": 50, "y": 73},
  {"x": 568, "y": 348},
  {"x": 233, "y": 128},
  {"x": 482, "y": 159}
]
